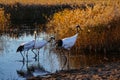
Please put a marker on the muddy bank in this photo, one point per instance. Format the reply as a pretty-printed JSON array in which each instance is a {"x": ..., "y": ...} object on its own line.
[{"x": 109, "y": 71}]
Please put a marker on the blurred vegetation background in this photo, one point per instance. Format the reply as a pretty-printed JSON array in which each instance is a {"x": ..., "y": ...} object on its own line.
[{"x": 99, "y": 19}]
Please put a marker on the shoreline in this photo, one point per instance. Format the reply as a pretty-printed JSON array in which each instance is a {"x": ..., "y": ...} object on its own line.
[{"x": 108, "y": 71}]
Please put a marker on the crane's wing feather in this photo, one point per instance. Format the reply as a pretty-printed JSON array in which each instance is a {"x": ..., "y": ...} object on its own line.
[
  {"x": 40, "y": 44},
  {"x": 69, "y": 42},
  {"x": 28, "y": 43}
]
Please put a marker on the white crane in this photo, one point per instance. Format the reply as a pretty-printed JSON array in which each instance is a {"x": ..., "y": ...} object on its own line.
[
  {"x": 39, "y": 44},
  {"x": 26, "y": 46},
  {"x": 33, "y": 44},
  {"x": 68, "y": 43}
]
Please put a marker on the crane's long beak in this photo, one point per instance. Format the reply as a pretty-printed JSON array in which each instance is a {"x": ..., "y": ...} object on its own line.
[{"x": 79, "y": 28}]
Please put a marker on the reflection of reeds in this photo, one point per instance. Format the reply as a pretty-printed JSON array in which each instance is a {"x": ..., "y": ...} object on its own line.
[
  {"x": 91, "y": 59},
  {"x": 101, "y": 30},
  {"x": 1, "y": 45}
]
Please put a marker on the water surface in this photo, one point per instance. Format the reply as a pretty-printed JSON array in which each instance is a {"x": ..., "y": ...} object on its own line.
[{"x": 11, "y": 62}]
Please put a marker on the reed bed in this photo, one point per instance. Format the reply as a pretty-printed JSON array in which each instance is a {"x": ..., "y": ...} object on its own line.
[
  {"x": 100, "y": 24},
  {"x": 3, "y": 20},
  {"x": 52, "y": 2}
]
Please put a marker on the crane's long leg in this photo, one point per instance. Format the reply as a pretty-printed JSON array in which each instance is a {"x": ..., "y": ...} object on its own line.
[
  {"x": 61, "y": 61},
  {"x": 60, "y": 55},
  {"x": 34, "y": 52},
  {"x": 22, "y": 65},
  {"x": 22, "y": 56},
  {"x": 27, "y": 65},
  {"x": 38, "y": 52},
  {"x": 27, "y": 56},
  {"x": 24, "y": 53},
  {"x": 68, "y": 65},
  {"x": 38, "y": 55},
  {"x": 65, "y": 60}
]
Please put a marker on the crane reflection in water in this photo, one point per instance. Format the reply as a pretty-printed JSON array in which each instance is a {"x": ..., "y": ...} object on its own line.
[{"x": 29, "y": 70}]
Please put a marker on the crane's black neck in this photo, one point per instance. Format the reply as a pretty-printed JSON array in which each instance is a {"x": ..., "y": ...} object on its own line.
[
  {"x": 78, "y": 28},
  {"x": 59, "y": 43}
]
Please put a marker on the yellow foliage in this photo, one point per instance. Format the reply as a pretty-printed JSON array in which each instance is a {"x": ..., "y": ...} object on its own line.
[
  {"x": 3, "y": 19},
  {"x": 97, "y": 20}
]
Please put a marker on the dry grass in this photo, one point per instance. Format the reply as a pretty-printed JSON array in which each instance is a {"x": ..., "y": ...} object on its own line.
[
  {"x": 53, "y": 2},
  {"x": 46, "y": 2},
  {"x": 3, "y": 20},
  {"x": 100, "y": 24}
]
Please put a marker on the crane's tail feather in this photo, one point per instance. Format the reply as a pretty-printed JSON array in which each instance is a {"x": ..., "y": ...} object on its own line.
[{"x": 20, "y": 48}]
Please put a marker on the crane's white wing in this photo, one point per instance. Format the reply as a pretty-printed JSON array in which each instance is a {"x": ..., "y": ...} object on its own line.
[
  {"x": 40, "y": 44},
  {"x": 69, "y": 42},
  {"x": 29, "y": 45}
]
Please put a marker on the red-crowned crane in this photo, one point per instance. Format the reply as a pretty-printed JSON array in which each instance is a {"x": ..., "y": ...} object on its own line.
[
  {"x": 68, "y": 43},
  {"x": 41, "y": 43},
  {"x": 26, "y": 46},
  {"x": 34, "y": 44}
]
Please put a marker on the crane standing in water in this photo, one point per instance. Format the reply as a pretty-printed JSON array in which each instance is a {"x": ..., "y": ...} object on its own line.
[
  {"x": 39, "y": 44},
  {"x": 68, "y": 43},
  {"x": 26, "y": 46},
  {"x": 33, "y": 44}
]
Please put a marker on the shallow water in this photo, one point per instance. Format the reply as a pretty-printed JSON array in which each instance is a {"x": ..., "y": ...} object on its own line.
[
  {"x": 13, "y": 67},
  {"x": 11, "y": 62}
]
